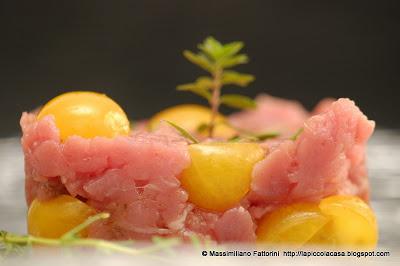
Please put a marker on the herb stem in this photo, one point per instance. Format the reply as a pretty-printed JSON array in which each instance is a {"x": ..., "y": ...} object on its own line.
[
  {"x": 76, "y": 230},
  {"x": 88, "y": 242},
  {"x": 106, "y": 246},
  {"x": 29, "y": 240},
  {"x": 72, "y": 239},
  {"x": 215, "y": 99}
]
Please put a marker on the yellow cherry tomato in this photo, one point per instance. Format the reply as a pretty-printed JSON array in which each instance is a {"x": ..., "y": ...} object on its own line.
[
  {"x": 190, "y": 117},
  {"x": 86, "y": 114},
  {"x": 220, "y": 173},
  {"x": 353, "y": 223},
  {"x": 291, "y": 225},
  {"x": 337, "y": 221},
  {"x": 55, "y": 217}
]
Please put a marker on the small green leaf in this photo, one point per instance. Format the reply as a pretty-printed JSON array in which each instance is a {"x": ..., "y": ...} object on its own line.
[
  {"x": 196, "y": 90},
  {"x": 238, "y": 101},
  {"x": 266, "y": 135},
  {"x": 296, "y": 135},
  {"x": 235, "y": 78},
  {"x": 243, "y": 138},
  {"x": 199, "y": 59},
  {"x": 235, "y": 138},
  {"x": 254, "y": 137},
  {"x": 231, "y": 49},
  {"x": 202, "y": 127},
  {"x": 183, "y": 132},
  {"x": 212, "y": 48},
  {"x": 234, "y": 61},
  {"x": 204, "y": 82},
  {"x": 200, "y": 87}
]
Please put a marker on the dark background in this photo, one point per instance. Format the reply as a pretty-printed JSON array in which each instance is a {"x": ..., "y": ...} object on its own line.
[{"x": 131, "y": 50}]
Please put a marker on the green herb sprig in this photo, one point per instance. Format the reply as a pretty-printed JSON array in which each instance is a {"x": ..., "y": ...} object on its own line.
[
  {"x": 184, "y": 133},
  {"x": 297, "y": 134},
  {"x": 14, "y": 243},
  {"x": 217, "y": 59},
  {"x": 252, "y": 137}
]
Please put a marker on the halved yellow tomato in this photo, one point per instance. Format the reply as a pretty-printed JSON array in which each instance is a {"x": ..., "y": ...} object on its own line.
[
  {"x": 220, "y": 173},
  {"x": 353, "y": 223},
  {"x": 86, "y": 114},
  {"x": 55, "y": 217},
  {"x": 337, "y": 221},
  {"x": 292, "y": 225},
  {"x": 191, "y": 117}
]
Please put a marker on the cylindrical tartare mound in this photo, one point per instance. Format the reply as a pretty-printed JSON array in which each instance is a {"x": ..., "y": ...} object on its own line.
[{"x": 137, "y": 177}]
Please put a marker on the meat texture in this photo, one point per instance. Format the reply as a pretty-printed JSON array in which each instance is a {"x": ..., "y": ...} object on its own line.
[
  {"x": 327, "y": 158},
  {"x": 271, "y": 114},
  {"x": 136, "y": 177}
]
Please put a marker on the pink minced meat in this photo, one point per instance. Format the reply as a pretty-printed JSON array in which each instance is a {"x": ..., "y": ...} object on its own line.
[
  {"x": 322, "y": 106},
  {"x": 136, "y": 178},
  {"x": 327, "y": 158},
  {"x": 271, "y": 114},
  {"x": 135, "y": 172}
]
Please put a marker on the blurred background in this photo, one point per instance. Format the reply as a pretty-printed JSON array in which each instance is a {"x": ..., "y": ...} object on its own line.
[{"x": 132, "y": 51}]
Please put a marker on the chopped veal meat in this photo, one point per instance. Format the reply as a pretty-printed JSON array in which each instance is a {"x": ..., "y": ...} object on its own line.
[
  {"x": 327, "y": 158},
  {"x": 271, "y": 114}
]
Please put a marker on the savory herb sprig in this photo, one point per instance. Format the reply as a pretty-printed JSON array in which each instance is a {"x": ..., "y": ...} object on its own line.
[
  {"x": 297, "y": 134},
  {"x": 254, "y": 137},
  {"x": 217, "y": 59},
  {"x": 11, "y": 243}
]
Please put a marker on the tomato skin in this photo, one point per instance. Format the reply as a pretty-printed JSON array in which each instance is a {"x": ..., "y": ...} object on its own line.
[
  {"x": 86, "y": 114},
  {"x": 292, "y": 225},
  {"x": 190, "y": 117},
  {"x": 220, "y": 173},
  {"x": 55, "y": 217},
  {"x": 337, "y": 221},
  {"x": 353, "y": 223}
]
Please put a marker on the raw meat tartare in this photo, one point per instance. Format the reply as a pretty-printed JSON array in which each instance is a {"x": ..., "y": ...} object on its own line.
[{"x": 305, "y": 185}]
